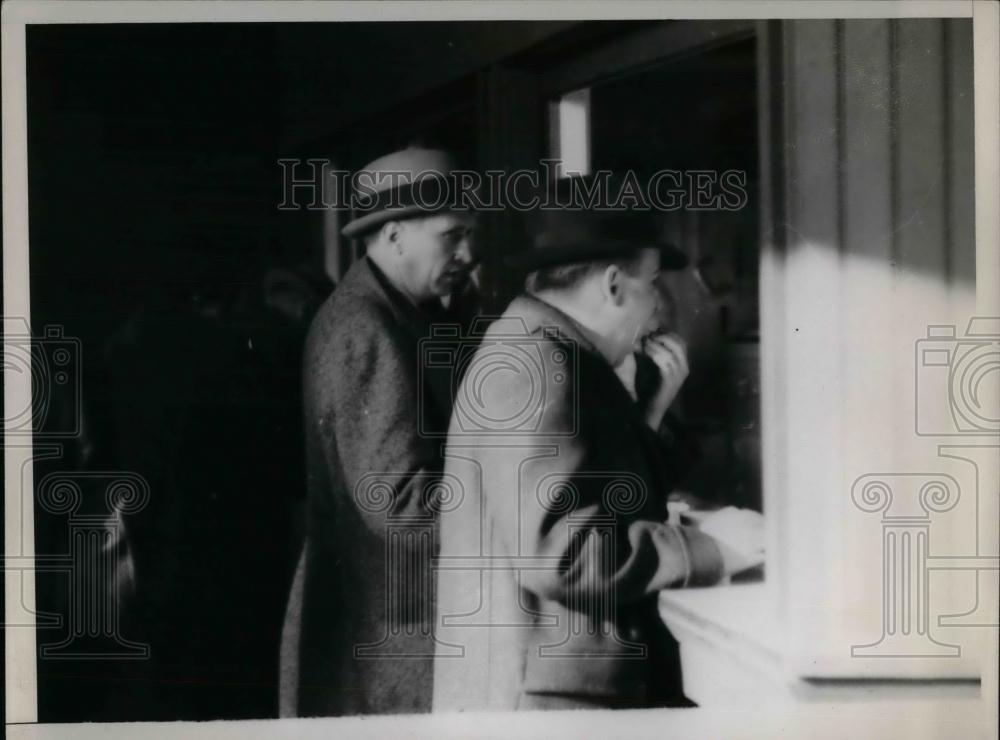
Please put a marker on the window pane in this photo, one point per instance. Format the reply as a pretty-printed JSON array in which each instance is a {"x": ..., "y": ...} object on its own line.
[{"x": 570, "y": 132}]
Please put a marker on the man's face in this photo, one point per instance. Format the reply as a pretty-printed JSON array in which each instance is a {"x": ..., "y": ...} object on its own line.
[
  {"x": 637, "y": 313},
  {"x": 438, "y": 252},
  {"x": 667, "y": 317}
]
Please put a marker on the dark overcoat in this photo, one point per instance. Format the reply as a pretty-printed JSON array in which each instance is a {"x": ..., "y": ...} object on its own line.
[
  {"x": 550, "y": 568},
  {"x": 357, "y": 635}
]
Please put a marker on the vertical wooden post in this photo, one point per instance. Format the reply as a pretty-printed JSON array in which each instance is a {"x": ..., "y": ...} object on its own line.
[{"x": 510, "y": 124}]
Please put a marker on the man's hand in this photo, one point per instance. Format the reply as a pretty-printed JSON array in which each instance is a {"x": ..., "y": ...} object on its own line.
[
  {"x": 739, "y": 533},
  {"x": 669, "y": 354},
  {"x": 626, "y": 373}
]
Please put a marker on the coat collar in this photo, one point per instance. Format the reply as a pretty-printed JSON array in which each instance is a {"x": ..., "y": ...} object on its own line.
[
  {"x": 367, "y": 279},
  {"x": 537, "y": 314}
]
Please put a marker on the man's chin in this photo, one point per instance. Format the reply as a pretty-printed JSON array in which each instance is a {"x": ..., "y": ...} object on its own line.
[{"x": 450, "y": 283}]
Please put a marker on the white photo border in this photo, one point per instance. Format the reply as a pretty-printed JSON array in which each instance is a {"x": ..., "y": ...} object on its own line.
[{"x": 874, "y": 719}]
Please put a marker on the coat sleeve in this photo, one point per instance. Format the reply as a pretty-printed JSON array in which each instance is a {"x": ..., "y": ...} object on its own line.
[
  {"x": 369, "y": 425},
  {"x": 585, "y": 517}
]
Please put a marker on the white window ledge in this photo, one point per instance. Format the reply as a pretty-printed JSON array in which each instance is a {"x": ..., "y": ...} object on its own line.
[{"x": 734, "y": 652}]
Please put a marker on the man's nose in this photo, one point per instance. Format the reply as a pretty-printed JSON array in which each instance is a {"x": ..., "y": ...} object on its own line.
[
  {"x": 465, "y": 252},
  {"x": 666, "y": 306}
]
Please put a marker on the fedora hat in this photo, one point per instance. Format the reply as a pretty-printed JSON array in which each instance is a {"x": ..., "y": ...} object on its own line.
[
  {"x": 562, "y": 236},
  {"x": 404, "y": 184}
]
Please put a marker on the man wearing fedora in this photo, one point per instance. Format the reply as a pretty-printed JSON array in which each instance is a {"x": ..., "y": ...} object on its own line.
[
  {"x": 357, "y": 637},
  {"x": 549, "y": 571}
]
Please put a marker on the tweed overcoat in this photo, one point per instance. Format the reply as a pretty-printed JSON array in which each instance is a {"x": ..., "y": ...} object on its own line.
[
  {"x": 357, "y": 636},
  {"x": 550, "y": 568}
]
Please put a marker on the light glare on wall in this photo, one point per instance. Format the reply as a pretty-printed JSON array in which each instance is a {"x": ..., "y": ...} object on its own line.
[{"x": 570, "y": 132}]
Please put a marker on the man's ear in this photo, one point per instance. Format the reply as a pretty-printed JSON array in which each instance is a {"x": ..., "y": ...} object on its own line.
[
  {"x": 611, "y": 284},
  {"x": 392, "y": 232}
]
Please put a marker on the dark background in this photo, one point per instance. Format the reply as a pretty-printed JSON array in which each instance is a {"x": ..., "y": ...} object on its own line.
[
  {"x": 156, "y": 240},
  {"x": 153, "y": 185}
]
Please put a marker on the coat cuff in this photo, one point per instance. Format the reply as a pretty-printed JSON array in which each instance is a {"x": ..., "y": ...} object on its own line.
[{"x": 702, "y": 556}]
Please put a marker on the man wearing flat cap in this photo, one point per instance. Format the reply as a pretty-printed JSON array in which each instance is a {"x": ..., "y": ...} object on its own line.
[
  {"x": 549, "y": 571},
  {"x": 358, "y": 636}
]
